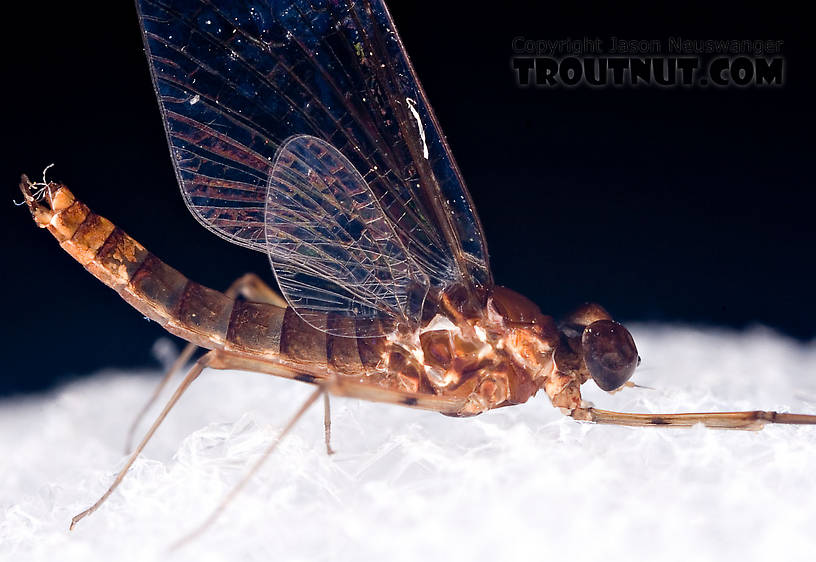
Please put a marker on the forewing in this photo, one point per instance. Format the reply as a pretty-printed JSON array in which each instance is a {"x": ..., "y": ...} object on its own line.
[
  {"x": 331, "y": 246},
  {"x": 236, "y": 79}
]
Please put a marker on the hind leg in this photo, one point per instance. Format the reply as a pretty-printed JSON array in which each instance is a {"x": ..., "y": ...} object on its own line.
[
  {"x": 250, "y": 287},
  {"x": 751, "y": 420},
  {"x": 208, "y": 360}
]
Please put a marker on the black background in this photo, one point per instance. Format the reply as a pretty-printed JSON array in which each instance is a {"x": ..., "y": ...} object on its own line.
[{"x": 680, "y": 205}]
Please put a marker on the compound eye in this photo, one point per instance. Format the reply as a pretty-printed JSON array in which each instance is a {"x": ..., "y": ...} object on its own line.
[{"x": 609, "y": 353}]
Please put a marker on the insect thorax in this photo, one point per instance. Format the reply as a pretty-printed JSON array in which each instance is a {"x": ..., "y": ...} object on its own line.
[{"x": 482, "y": 360}]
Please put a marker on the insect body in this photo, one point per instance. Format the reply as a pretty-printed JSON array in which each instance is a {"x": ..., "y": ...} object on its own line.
[
  {"x": 464, "y": 360},
  {"x": 302, "y": 132}
]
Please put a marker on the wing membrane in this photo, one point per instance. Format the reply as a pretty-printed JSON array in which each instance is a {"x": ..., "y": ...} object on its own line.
[
  {"x": 236, "y": 79},
  {"x": 332, "y": 247}
]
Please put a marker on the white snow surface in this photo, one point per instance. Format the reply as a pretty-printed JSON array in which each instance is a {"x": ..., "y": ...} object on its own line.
[{"x": 517, "y": 483}]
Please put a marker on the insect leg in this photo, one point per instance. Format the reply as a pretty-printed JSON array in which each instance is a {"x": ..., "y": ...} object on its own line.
[
  {"x": 340, "y": 386},
  {"x": 207, "y": 360},
  {"x": 249, "y": 286},
  {"x": 336, "y": 386},
  {"x": 255, "y": 467},
  {"x": 178, "y": 364},
  {"x": 327, "y": 423},
  {"x": 752, "y": 420},
  {"x": 254, "y": 289}
]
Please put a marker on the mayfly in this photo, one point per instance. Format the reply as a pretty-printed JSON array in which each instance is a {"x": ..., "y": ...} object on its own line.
[{"x": 301, "y": 131}]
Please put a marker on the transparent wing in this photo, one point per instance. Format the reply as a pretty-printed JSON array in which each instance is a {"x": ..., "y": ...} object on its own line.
[
  {"x": 236, "y": 79},
  {"x": 332, "y": 247}
]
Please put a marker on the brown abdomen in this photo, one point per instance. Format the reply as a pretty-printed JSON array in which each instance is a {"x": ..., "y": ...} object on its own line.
[{"x": 185, "y": 308}]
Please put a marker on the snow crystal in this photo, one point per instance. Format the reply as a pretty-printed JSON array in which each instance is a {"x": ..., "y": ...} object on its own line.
[{"x": 521, "y": 482}]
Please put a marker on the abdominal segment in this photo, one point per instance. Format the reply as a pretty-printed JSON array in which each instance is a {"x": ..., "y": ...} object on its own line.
[{"x": 481, "y": 363}]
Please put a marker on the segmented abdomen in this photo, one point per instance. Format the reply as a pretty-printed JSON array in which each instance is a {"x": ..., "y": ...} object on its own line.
[{"x": 196, "y": 313}]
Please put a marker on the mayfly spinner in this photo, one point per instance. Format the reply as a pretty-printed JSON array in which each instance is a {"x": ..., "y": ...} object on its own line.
[{"x": 301, "y": 131}]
